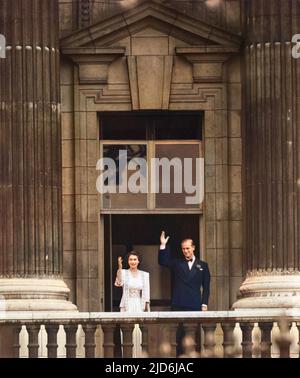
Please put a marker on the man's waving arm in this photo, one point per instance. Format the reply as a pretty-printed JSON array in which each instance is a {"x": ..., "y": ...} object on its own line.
[{"x": 164, "y": 256}]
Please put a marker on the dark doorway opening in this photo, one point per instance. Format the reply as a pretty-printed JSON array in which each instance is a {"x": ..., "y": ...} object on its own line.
[{"x": 126, "y": 232}]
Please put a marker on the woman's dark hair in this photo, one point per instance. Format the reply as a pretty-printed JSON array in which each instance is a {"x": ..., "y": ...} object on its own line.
[{"x": 134, "y": 253}]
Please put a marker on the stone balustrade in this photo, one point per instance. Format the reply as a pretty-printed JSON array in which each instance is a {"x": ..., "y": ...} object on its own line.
[{"x": 247, "y": 334}]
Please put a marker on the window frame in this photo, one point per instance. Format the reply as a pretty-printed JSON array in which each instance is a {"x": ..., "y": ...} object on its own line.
[{"x": 151, "y": 201}]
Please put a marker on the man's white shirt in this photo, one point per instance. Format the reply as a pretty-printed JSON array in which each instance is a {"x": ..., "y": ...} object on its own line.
[
  {"x": 191, "y": 262},
  {"x": 162, "y": 246}
]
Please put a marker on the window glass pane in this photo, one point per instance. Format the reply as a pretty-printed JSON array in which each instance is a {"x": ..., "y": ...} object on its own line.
[
  {"x": 120, "y": 127},
  {"x": 179, "y": 176},
  {"x": 151, "y": 126},
  {"x": 178, "y": 126},
  {"x": 127, "y": 176}
]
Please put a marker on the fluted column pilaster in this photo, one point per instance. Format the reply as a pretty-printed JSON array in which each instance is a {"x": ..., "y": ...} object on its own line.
[
  {"x": 31, "y": 242},
  {"x": 30, "y": 153},
  {"x": 271, "y": 154}
]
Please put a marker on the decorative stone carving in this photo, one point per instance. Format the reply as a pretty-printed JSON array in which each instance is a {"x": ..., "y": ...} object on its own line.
[
  {"x": 150, "y": 35},
  {"x": 84, "y": 13},
  {"x": 93, "y": 63},
  {"x": 150, "y": 81},
  {"x": 208, "y": 61}
]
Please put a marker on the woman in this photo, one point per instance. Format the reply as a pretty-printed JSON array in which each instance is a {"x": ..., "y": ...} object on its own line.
[{"x": 136, "y": 293}]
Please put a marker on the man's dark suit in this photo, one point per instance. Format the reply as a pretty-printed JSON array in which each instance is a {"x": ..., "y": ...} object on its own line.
[{"x": 187, "y": 283}]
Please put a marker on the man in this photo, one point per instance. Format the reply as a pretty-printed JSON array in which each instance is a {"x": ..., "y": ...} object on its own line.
[{"x": 191, "y": 275}]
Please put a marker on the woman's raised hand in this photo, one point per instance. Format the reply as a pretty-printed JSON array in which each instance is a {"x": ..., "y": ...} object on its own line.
[{"x": 120, "y": 261}]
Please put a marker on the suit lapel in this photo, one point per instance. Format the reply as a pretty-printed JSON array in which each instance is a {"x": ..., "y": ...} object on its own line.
[
  {"x": 187, "y": 273},
  {"x": 185, "y": 268},
  {"x": 195, "y": 268}
]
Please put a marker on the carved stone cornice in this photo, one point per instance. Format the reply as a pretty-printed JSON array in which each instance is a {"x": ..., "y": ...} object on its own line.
[
  {"x": 93, "y": 62},
  {"x": 208, "y": 61}
]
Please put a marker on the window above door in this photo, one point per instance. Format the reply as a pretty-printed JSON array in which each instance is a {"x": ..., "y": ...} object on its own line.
[{"x": 151, "y": 162}]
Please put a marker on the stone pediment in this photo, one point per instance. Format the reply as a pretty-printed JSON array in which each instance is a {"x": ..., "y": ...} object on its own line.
[
  {"x": 145, "y": 44},
  {"x": 154, "y": 18}
]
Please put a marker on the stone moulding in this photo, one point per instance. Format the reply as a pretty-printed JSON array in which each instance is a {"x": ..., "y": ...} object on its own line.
[
  {"x": 32, "y": 294},
  {"x": 93, "y": 63},
  {"x": 273, "y": 272},
  {"x": 170, "y": 21},
  {"x": 208, "y": 61},
  {"x": 276, "y": 289}
]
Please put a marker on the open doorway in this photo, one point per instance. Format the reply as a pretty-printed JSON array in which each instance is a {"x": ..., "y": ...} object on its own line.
[{"x": 124, "y": 233}]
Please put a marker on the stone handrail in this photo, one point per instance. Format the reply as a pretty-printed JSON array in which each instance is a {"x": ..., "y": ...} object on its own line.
[
  {"x": 215, "y": 326},
  {"x": 149, "y": 317}
]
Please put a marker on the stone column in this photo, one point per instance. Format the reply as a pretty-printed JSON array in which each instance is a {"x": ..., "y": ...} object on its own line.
[
  {"x": 271, "y": 156},
  {"x": 30, "y": 159}
]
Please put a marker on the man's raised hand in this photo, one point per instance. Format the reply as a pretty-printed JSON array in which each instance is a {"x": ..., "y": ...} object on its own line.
[{"x": 163, "y": 238}]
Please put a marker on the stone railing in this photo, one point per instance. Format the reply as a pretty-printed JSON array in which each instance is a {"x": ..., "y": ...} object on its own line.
[{"x": 245, "y": 334}]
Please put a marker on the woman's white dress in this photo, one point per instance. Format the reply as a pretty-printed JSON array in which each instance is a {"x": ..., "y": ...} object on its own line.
[
  {"x": 136, "y": 293},
  {"x": 134, "y": 305}
]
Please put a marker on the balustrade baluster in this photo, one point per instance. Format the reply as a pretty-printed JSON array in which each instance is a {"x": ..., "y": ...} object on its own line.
[
  {"x": 89, "y": 345},
  {"x": 16, "y": 341},
  {"x": 144, "y": 330},
  {"x": 298, "y": 326},
  {"x": 209, "y": 340},
  {"x": 172, "y": 337},
  {"x": 108, "y": 342},
  {"x": 33, "y": 340},
  {"x": 247, "y": 343},
  {"x": 127, "y": 330},
  {"x": 284, "y": 341},
  {"x": 52, "y": 345},
  {"x": 71, "y": 344},
  {"x": 228, "y": 341},
  {"x": 189, "y": 341},
  {"x": 266, "y": 329}
]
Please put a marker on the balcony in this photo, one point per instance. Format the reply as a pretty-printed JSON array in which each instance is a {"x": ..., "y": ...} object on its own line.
[{"x": 222, "y": 334}]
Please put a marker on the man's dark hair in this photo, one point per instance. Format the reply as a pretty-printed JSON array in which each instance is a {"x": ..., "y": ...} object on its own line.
[{"x": 188, "y": 239}]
